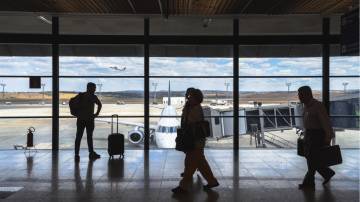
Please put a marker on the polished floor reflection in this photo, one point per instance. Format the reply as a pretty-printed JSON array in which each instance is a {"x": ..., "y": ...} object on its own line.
[{"x": 252, "y": 175}]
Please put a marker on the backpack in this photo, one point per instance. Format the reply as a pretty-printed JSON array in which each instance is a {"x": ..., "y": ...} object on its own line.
[{"x": 75, "y": 105}]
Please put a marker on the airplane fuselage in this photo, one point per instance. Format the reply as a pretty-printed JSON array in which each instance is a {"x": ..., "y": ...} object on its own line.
[{"x": 165, "y": 133}]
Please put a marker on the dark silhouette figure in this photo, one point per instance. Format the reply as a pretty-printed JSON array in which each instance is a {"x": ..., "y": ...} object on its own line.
[
  {"x": 195, "y": 158},
  {"x": 186, "y": 106},
  {"x": 211, "y": 195},
  {"x": 88, "y": 189},
  {"x": 318, "y": 133},
  {"x": 85, "y": 119}
]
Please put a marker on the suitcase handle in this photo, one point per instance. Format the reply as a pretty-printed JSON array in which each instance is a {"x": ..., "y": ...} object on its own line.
[{"x": 112, "y": 123}]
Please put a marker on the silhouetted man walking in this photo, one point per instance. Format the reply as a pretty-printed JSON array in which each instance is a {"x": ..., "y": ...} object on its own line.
[
  {"x": 85, "y": 119},
  {"x": 318, "y": 133}
]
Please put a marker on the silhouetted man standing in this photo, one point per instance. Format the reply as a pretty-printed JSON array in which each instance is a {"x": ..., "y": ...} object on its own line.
[
  {"x": 85, "y": 119},
  {"x": 318, "y": 133}
]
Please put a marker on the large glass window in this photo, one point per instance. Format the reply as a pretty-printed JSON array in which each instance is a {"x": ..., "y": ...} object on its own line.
[
  {"x": 269, "y": 76},
  {"x": 22, "y": 107},
  {"x": 117, "y": 72},
  {"x": 208, "y": 68},
  {"x": 17, "y": 99},
  {"x": 344, "y": 98},
  {"x": 14, "y": 132},
  {"x": 268, "y": 83},
  {"x": 134, "y": 135},
  {"x": 122, "y": 96}
]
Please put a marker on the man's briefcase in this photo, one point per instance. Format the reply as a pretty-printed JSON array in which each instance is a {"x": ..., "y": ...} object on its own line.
[{"x": 327, "y": 156}]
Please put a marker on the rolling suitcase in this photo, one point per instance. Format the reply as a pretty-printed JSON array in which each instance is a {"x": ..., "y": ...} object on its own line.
[{"x": 115, "y": 140}]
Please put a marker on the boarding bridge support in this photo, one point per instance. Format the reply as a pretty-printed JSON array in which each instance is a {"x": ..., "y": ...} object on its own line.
[
  {"x": 256, "y": 134},
  {"x": 262, "y": 130}
]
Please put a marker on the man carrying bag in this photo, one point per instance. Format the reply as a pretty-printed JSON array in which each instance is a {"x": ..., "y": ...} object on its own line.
[{"x": 315, "y": 145}]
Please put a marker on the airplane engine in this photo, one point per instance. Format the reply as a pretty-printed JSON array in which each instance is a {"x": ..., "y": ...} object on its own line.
[{"x": 135, "y": 136}]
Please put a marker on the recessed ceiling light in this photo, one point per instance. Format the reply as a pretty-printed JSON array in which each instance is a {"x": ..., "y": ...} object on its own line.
[{"x": 44, "y": 19}]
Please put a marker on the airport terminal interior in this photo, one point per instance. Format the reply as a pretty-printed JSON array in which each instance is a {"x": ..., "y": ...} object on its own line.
[{"x": 248, "y": 57}]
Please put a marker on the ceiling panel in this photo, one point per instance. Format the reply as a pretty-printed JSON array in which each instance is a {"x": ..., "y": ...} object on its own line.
[{"x": 180, "y": 7}]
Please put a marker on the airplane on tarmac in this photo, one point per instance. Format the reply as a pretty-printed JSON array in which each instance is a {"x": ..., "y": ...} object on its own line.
[{"x": 164, "y": 133}]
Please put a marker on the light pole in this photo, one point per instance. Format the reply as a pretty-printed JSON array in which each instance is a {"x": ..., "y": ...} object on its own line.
[
  {"x": 227, "y": 85},
  {"x": 288, "y": 84},
  {"x": 43, "y": 93},
  {"x": 155, "y": 86},
  {"x": 99, "y": 86},
  {"x": 345, "y": 85},
  {"x": 3, "y": 89}
]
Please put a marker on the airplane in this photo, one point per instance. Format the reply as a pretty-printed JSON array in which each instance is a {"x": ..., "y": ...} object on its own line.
[
  {"x": 164, "y": 133},
  {"x": 117, "y": 68}
]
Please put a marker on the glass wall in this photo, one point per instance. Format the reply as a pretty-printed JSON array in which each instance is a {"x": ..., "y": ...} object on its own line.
[
  {"x": 118, "y": 73},
  {"x": 269, "y": 76},
  {"x": 22, "y": 107},
  {"x": 344, "y": 98},
  {"x": 13, "y": 132},
  {"x": 182, "y": 68},
  {"x": 268, "y": 92}
]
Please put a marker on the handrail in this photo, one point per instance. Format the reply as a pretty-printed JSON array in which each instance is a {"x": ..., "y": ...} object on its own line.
[{"x": 280, "y": 140}]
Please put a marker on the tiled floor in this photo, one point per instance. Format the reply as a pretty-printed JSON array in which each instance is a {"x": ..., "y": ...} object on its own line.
[{"x": 258, "y": 175}]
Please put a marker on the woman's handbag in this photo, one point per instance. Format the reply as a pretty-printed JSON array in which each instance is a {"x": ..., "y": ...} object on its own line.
[
  {"x": 200, "y": 129},
  {"x": 179, "y": 145},
  {"x": 184, "y": 140},
  {"x": 188, "y": 134}
]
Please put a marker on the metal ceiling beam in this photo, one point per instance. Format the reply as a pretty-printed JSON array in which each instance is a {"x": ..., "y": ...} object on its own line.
[
  {"x": 155, "y": 39},
  {"x": 246, "y": 6},
  {"x": 164, "y": 8},
  {"x": 275, "y": 5},
  {"x": 132, "y": 6},
  {"x": 106, "y": 6},
  {"x": 161, "y": 7}
]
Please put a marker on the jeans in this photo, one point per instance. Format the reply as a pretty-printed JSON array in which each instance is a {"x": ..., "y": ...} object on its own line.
[{"x": 81, "y": 124}]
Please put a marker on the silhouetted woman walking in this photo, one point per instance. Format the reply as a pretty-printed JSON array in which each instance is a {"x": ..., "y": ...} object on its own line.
[{"x": 195, "y": 158}]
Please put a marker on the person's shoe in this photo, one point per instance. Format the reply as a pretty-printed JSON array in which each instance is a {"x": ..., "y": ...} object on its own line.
[
  {"x": 209, "y": 186},
  {"x": 326, "y": 180},
  {"x": 77, "y": 158},
  {"x": 94, "y": 155},
  {"x": 306, "y": 186},
  {"x": 179, "y": 190}
]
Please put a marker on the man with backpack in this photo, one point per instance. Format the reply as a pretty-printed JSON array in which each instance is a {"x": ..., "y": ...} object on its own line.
[{"x": 82, "y": 106}]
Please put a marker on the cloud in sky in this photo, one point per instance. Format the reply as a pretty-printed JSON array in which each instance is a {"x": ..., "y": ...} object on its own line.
[{"x": 167, "y": 66}]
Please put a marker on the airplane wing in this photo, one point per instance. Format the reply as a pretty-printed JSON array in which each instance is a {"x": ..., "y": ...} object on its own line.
[
  {"x": 157, "y": 107},
  {"x": 126, "y": 123}
]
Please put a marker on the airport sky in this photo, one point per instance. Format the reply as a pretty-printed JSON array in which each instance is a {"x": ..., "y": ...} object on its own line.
[{"x": 166, "y": 66}]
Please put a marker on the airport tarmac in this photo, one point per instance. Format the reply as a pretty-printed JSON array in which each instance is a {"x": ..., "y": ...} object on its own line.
[{"x": 13, "y": 130}]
